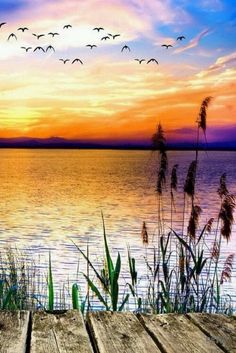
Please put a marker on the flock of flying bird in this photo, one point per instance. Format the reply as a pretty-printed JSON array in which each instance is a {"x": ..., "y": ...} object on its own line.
[{"x": 91, "y": 46}]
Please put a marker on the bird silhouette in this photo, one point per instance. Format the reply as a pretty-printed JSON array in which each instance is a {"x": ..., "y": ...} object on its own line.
[
  {"x": 114, "y": 35},
  {"x": 180, "y": 38},
  {"x": 53, "y": 34},
  {"x": 98, "y": 29},
  {"x": 153, "y": 60},
  {"x": 12, "y": 35},
  {"x": 105, "y": 38},
  {"x": 125, "y": 47},
  {"x": 39, "y": 48},
  {"x": 38, "y": 35},
  {"x": 167, "y": 46},
  {"x": 140, "y": 61},
  {"x": 50, "y": 47},
  {"x": 23, "y": 29},
  {"x": 64, "y": 60},
  {"x": 77, "y": 60},
  {"x": 2, "y": 24},
  {"x": 26, "y": 48},
  {"x": 67, "y": 27},
  {"x": 91, "y": 46}
]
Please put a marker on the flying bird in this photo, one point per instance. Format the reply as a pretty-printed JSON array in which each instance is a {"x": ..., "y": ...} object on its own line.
[
  {"x": 77, "y": 60},
  {"x": 114, "y": 35},
  {"x": 26, "y": 48},
  {"x": 23, "y": 29},
  {"x": 53, "y": 34},
  {"x": 98, "y": 29},
  {"x": 50, "y": 47},
  {"x": 125, "y": 47},
  {"x": 38, "y": 35},
  {"x": 39, "y": 48},
  {"x": 105, "y": 38},
  {"x": 12, "y": 35},
  {"x": 140, "y": 61},
  {"x": 91, "y": 46},
  {"x": 64, "y": 60},
  {"x": 67, "y": 27},
  {"x": 153, "y": 60},
  {"x": 2, "y": 24},
  {"x": 180, "y": 38},
  {"x": 167, "y": 46}
]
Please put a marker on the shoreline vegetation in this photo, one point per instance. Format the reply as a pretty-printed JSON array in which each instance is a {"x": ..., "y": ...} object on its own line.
[{"x": 185, "y": 272}]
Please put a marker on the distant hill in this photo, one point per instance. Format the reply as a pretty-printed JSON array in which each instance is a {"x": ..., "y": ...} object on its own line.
[{"x": 59, "y": 142}]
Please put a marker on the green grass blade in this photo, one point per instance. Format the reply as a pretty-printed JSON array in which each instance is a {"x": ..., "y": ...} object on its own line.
[
  {"x": 50, "y": 286},
  {"x": 75, "y": 297},
  {"x": 97, "y": 292}
]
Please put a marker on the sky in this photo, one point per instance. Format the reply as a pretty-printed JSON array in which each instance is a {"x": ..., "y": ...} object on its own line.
[{"x": 111, "y": 97}]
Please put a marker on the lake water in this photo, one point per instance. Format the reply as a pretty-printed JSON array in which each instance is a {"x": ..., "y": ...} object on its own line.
[{"x": 48, "y": 197}]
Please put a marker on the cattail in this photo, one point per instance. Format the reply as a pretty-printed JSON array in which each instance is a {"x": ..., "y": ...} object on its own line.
[
  {"x": 209, "y": 225},
  {"x": 193, "y": 221},
  {"x": 227, "y": 270},
  {"x": 222, "y": 190},
  {"x": 144, "y": 234},
  {"x": 202, "y": 114},
  {"x": 189, "y": 186},
  {"x": 215, "y": 251},
  {"x": 226, "y": 215}
]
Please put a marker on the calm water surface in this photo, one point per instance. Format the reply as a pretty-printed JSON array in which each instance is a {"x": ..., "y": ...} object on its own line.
[{"x": 48, "y": 197}]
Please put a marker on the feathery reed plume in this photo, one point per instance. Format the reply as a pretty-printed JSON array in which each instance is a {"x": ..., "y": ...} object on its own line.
[
  {"x": 144, "y": 234},
  {"x": 202, "y": 114},
  {"x": 226, "y": 215},
  {"x": 174, "y": 180},
  {"x": 193, "y": 221},
  {"x": 222, "y": 190},
  {"x": 189, "y": 186},
  {"x": 158, "y": 140},
  {"x": 159, "y": 143},
  {"x": 209, "y": 225},
  {"x": 227, "y": 270},
  {"x": 215, "y": 251}
]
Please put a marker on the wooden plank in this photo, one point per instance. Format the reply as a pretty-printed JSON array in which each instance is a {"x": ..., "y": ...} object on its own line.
[
  {"x": 220, "y": 328},
  {"x": 13, "y": 331},
  {"x": 59, "y": 332},
  {"x": 175, "y": 333},
  {"x": 119, "y": 333}
]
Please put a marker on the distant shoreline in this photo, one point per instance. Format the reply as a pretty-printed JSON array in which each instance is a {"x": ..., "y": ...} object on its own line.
[{"x": 121, "y": 148}]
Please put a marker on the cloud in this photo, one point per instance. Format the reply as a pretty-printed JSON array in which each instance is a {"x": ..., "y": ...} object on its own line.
[
  {"x": 219, "y": 64},
  {"x": 193, "y": 42}
]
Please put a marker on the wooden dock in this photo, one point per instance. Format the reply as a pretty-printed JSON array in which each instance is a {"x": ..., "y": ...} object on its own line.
[{"x": 107, "y": 332}]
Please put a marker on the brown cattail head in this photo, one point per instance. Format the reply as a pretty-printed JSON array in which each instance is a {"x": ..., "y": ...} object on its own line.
[
  {"x": 189, "y": 186},
  {"x": 209, "y": 225},
  {"x": 222, "y": 190},
  {"x": 193, "y": 221},
  {"x": 215, "y": 251},
  {"x": 202, "y": 114},
  {"x": 226, "y": 215},
  {"x": 227, "y": 270},
  {"x": 158, "y": 140},
  {"x": 144, "y": 234}
]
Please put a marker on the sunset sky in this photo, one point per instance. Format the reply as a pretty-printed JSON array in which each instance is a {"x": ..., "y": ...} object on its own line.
[{"x": 112, "y": 97}]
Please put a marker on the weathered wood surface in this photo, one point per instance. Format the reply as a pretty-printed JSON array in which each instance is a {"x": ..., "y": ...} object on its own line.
[
  {"x": 59, "y": 333},
  {"x": 119, "y": 333},
  {"x": 221, "y": 328},
  {"x": 107, "y": 332},
  {"x": 13, "y": 331},
  {"x": 176, "y": 333}
]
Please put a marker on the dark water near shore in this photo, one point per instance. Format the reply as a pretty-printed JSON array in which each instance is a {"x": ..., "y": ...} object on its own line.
[{"x": 48, "y": 197}]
